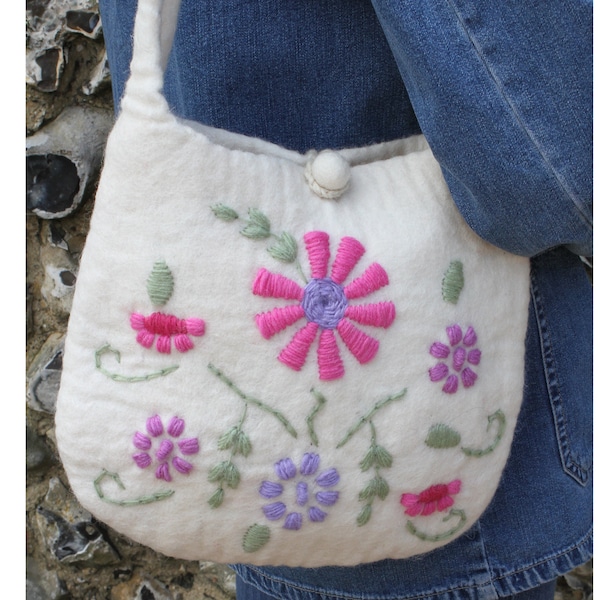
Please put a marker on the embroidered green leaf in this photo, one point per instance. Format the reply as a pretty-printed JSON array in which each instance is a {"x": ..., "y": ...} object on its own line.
[
  {"x": 369, "y": 460},
  {"x": 160, "y": 284},
  {"x": 364, "y": 515},
  {"x": 285, "y": 250},
  {"x": 382, "y": 457},
  {"x": 442, "y": 436},
  {"x": 231, "y": 475},
  {"x": 224, "y": 212},
  {"x": 453, "y": 282},
  {"x": 217, "y": 473},
  {"x": 227, "y": 440},
  {"x": 217, "y": 498},
  {"x": 242, "y": 444},
  {"x": 256, "y": 537},
  {"x": 258, "y": 227}
]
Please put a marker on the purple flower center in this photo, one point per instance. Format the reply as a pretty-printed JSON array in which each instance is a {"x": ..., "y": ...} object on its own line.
[{"x": 324, "y": 302}]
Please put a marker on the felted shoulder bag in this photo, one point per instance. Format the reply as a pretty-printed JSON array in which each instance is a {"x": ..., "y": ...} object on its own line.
[{"x": 278, "y": 358}]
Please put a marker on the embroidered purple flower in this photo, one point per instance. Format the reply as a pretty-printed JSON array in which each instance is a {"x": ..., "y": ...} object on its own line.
[
  {"x": 326, "y": 305},
  {"x": 163, "y": 448},
  {"x": 455, "y": 359},
  {"x": 300, "y": 492}
]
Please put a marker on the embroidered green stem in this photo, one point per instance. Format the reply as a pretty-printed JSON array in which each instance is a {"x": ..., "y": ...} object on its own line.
[
  {"x": 454, "y": 512},
  {"x": 313, "y": 413},
  {"x": 261, "y": 405},
  {"x": 366, "y": 418},
  {"x": 108, "y": 349},
  {"x": 258, "y": 227},
  {"x": 377, "y": 457},
  {"x": 453, "y": 282},
  {"x": 148, "y": 499},
  {"x": 498, "y": 417},
  {"x": 226, "y": 472}
]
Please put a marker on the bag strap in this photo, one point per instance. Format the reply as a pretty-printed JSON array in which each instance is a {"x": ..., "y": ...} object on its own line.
[{"x": 153, "y": 34}]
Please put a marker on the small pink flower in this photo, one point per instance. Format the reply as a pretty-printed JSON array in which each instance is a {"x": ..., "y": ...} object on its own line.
[
  {"x": 437, "y": 497},
  {"x": 166, "y": 327},
  {"x": 160, "y": 443},
  {"x": 326, "y": 305},
  {"x": 455, "y": 359}
]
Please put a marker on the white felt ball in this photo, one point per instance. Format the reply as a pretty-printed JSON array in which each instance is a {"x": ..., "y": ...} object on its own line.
[{"x": 330, "y": 170}]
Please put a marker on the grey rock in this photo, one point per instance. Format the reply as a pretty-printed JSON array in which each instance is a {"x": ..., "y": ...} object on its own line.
[
  {"x": 43, "y": 584},
  {"x": 70, "y": 532},
  {"x": 37, "y": 453},
  {"x": 48, "y": 24},
  {"x": 44, "y": 375},
  {"x": 63, "y": 160}
]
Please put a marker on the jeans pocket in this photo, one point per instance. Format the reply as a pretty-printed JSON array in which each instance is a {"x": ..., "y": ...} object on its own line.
[{"x": 562, "y": 300}]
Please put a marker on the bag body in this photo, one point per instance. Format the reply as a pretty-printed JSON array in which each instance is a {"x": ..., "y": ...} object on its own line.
[{"x": 275, "y": 358}]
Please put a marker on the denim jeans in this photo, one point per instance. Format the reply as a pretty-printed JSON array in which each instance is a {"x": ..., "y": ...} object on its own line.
[{"x": 502, "y": 91}]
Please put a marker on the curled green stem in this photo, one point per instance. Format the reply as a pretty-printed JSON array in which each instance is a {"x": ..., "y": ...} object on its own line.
[{"x": 147, "y": 499}]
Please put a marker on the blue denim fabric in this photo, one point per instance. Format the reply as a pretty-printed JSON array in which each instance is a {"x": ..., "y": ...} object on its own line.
[{"x": 502, "y": 91}]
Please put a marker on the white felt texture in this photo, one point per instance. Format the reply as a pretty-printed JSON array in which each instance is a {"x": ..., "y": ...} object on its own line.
[{"x": 161, "y": 178}]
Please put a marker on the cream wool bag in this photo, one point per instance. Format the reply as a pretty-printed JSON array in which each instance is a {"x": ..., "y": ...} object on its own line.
[{"x": 276, "y": 358}]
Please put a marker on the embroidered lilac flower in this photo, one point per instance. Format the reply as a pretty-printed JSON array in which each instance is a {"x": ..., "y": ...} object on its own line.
[
  {"x": 326, "y": 305},
  {"x": 455, "y": 359},
  {"x": 166, "y": 327},
  {"x": 163, "y": 448},
  {"x": 306, "y": 492},
  {"x": 437, "y": 497}
]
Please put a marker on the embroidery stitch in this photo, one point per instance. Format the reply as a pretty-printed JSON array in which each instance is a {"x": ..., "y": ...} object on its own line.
[
  {"x": 166, "y": 448},
  {"x": 324, "y": 304},
  {"x": 442, "y": 436},
  {"x": 454, "y": 512},
  {"x": 258, "y": 227},
  {"x": 156, "y": 497},
  {"x": 256, "y": 537},
  {"x": 369, "y": 416},
  {"x": 308, "y": 495},
  {"x": 166, "y": 326},
  {"x": 453, "y": 282},
  {"x": 377, "y": 457},
  {"x": 313, "y": 413},
  {"x": 160, "y": 284},
  {"x": 436, "y": 498},
  {"x": 458, "y": 355},
  {"x": 498, "y": 417},
  {"x": 107, "y": 349},
  {"x": 237, "y": 441}
]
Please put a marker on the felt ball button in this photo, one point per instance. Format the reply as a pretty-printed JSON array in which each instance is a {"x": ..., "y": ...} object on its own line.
[{"x": 328, "y": 174}]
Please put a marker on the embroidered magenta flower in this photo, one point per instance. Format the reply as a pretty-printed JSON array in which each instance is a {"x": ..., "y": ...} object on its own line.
[
  {"x": 166, "y": 327},
  {"x": 310, "y": 492},
  {"x": 437, "y": 497},
  {"x": 163, "y": 447},
  {"x": 455, "y": 359},
  {"x": 326, "y": 305}
]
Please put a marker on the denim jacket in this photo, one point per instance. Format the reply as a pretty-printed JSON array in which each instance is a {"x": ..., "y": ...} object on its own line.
[{"x": 502, "y": 92}]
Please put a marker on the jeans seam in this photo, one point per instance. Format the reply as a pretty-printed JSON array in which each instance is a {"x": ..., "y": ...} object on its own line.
[{"x": 584, "y": 217}]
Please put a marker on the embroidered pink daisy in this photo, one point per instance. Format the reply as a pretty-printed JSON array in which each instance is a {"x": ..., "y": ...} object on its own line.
[
  {"x": 455, "y": 359},
  {"x": 166, "y": 327},
  {"x": 162, "y": 447},
  {"x": 326, "y": 305},
  {"x": 437, "y": 497}
]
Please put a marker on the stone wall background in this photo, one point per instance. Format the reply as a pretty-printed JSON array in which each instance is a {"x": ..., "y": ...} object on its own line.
[{"x": 69, "y": 112}]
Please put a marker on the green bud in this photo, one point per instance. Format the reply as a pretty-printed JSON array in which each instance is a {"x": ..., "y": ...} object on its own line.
[
  {"x": 224, "y": 212},
  {"x": 364, "y": 516},
  {"x": 285, "y": 250},
  {"x": 217, "y": 498}
]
